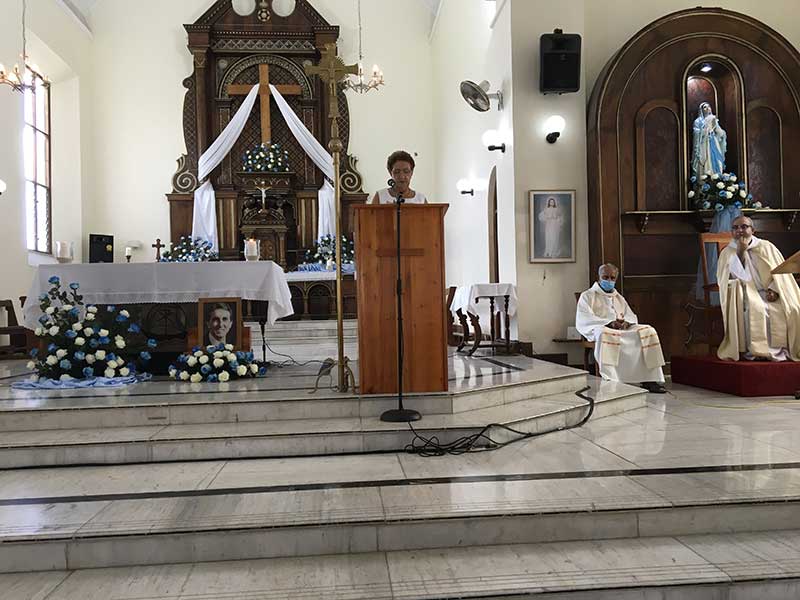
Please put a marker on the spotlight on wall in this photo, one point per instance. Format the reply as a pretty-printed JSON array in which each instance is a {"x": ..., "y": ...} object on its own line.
[
  {"x": 3, "y": 187},
  {"x": 491, "y": 139},
  {"x": 554, "y": 126},
  {"x": 706, "y": 68},
  {"x": 465, "y": 187}
]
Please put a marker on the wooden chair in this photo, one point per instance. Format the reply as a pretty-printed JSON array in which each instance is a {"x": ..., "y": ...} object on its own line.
[
  {"x": 454, "y": 331},
  {"x": 21, "y": 339},
  {"x": 712, "y": 313}
]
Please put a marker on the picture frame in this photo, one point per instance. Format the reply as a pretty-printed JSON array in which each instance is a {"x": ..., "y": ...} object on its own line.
[
  {"x": 212, "y": 325},
  {"x": 551, "y": 226}
]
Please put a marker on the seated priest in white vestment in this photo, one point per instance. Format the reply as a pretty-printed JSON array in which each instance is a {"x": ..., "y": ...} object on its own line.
[
  {"x": 400, "y": 165},
  {"x": 624, "y": 349},
  {"x": 760, "y": 310}
]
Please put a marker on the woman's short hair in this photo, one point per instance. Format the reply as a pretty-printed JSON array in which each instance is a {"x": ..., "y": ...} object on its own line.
[{"x": 397, "y": 156}]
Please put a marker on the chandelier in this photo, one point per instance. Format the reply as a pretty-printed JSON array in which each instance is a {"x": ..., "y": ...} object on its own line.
[
  {"x": 359, "y": 83},
  {"x": 20, "y": 79}
]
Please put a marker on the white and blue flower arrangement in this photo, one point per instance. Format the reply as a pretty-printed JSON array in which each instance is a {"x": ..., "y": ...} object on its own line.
[{"x": 82, "y": 343}]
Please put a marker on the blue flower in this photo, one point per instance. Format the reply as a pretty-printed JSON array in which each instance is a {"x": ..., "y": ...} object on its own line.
[
  {"x": 65, "y": 364},
  {"x": 737, "y": 204},
  {"x": 749, "y": 196},
  {"x": 93, "y": 343},
  {"x": 34, "y": 353},
  {"x": 205, "y": 369},
  {"x": 145, "y": 355},
  {"x": 718, "y": 207},
  {"x": 195, "y": 349},
  {"x": 71, "y": 334},
  {"x": 121, "y": 318},
  {"x": 42, "y": 297},
  {"x": 233, "y": 364},
  {"x": 88, "y": 371},
  {"x": 111, "y": 308},
  {"x": 111, "y": 356},
  {"x": 262, "y": 371},
  {"x": 74, "y": 311},
  {"x": 52, "y": 348},
  {"x": 104, "y": 340},
  {"x": 741, "y": 185},
  {"x": 43, "y": 319},
  {"x": 240, "y": 355},
  {"x": 79, "y": 355},
  {"x": 54, "y": 280},
  {"x": 134, "y": 328},
  {"x": 213, "y": 378},
  {"x": 151, "y": 343},
  {"x": 74, "y": 286},
  {"x": 693, "y": 179},
  {"x": 732, "y": 174}
]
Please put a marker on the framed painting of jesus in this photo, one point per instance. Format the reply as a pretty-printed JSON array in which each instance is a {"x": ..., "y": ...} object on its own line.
[{"x": 551, "y": 227}]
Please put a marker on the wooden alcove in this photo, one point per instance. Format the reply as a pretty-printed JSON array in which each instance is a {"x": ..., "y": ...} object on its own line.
[
  {"x": 232, "y": 50},
  {"x": 639, "y": 150}
]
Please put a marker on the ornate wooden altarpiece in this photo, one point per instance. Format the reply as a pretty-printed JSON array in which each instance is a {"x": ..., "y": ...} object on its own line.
[{"x": 232, "y": 53}]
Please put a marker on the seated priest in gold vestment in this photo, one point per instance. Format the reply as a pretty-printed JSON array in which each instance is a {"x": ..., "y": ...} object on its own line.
[
  {"x": 624, "y": 350},
  {"x": 760, "y": 310}
]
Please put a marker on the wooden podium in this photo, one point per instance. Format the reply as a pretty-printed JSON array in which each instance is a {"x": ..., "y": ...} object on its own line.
[{"x": 422, "y": 271}]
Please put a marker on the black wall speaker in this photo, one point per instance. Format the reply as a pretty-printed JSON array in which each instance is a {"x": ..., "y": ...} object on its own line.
[
  {"x": 101, "y": 248},
  {"x": 560, "y": 62}
]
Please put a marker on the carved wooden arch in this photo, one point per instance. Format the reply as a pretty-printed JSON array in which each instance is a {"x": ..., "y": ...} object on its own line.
[
  {"x": 644, "y": 150},
  {"x": 770, "y": 68},
  {"x": 270, "y": 59}
]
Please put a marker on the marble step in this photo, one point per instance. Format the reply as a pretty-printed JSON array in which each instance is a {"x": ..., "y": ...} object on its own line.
[
  {"x": 298, "y": 437},
  {"x": 198, "y": 526},
  {"x": 707, "y": 567},
  {"x": 304, "y": 330},
  {"x": 281, "y": 398}
]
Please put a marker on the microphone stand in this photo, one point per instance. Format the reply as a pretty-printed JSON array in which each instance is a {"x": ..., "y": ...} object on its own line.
[{"x": 399, "y": 414}]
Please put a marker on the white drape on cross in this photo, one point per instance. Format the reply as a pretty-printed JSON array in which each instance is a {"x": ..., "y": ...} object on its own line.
[{"x": 204, "y": 219}]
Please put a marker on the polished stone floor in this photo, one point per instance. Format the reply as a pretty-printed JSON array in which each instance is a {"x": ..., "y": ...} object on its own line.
[{"x": 687, "y": 496}]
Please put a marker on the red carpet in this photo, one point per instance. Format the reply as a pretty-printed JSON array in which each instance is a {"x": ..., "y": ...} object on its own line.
[{"x": 742, "y": 378}]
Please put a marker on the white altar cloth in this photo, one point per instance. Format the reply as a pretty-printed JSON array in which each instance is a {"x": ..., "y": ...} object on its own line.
[
  {"x": 465, "y": 295},
  {"x": 140, "y": 283}
]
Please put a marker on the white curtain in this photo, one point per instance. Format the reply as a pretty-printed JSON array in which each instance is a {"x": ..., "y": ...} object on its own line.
[
  {"x": 204, "y": 219},
  {"x": 321, "y": 158}
]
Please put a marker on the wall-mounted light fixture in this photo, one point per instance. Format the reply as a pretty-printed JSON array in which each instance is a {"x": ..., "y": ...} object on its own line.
[
  {"x": 706, "y": 68},
  {"x": 464, "y": 186},
  {"x": 491, "y": 139},
  {"x": 553, "y": 127},
  {"x": 3, "y": 187}
]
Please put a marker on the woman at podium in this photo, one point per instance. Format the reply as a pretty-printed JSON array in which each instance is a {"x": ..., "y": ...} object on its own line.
[{"x": 400, "y": 165}]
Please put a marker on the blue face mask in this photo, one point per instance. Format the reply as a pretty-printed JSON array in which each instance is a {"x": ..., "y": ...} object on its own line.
[{"x": 608, "y": 286}]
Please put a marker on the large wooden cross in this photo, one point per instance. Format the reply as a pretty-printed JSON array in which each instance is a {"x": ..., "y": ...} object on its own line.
[{"x": 264, "y": 96}]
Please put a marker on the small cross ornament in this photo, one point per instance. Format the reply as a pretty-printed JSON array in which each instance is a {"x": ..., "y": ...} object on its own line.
[{"x": 158, "y": 246}]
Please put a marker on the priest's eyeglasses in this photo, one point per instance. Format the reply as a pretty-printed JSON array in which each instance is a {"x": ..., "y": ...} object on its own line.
[{"x": 742, "y": 226}]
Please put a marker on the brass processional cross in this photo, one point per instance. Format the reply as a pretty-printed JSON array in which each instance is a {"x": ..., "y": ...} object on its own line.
[{"x": 331, "y": 69}]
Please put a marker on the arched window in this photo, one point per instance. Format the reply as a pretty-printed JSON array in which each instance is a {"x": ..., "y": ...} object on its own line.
[{"x": 36, "y": 149}]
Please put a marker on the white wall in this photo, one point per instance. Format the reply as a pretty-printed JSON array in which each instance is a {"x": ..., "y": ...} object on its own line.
[
  {"x": 141, "y": 58},
  {"x": 546, "y": 290},
  {"x": 63, "y": 57},
  {"x": 460, "y": 49}
]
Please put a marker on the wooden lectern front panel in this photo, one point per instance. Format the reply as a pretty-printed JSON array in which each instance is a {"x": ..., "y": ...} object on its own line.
[{"x": 422, "y": 269}]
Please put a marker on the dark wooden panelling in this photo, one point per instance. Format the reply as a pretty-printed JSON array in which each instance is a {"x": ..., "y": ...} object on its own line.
[
  {"x": 660, "y": 254},
  {"x": 764, "y": 154},
  {"x": 662, "y": 160}
]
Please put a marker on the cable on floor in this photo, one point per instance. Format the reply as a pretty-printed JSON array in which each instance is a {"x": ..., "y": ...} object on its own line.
[{"x": 482, "y": 441}]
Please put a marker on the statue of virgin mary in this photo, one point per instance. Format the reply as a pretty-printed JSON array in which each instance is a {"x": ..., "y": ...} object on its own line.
[{"x": 710, "y": 143}]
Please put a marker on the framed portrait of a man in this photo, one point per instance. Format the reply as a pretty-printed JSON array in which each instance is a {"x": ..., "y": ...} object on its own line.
[
  {"x": 220, "y": 321},
  {"x": 551, "y": 228}
]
